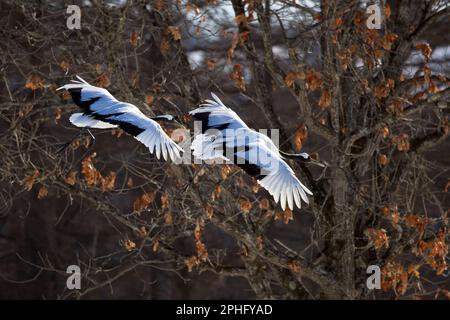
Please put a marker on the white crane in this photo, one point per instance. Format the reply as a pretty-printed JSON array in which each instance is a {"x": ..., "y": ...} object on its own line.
[
  {"x": 225, "y": 136},
  {"x": 101, "y": 110}
]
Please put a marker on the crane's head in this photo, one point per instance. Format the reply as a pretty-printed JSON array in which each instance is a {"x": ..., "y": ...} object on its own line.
[
  {"x": 166, "y": 118},
  {"x": 302, "y": 156}
]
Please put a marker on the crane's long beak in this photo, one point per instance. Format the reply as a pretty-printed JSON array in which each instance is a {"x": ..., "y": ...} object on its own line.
[
  {"x": 317, "y": 163},
  {"x": 301, "y": 157}
]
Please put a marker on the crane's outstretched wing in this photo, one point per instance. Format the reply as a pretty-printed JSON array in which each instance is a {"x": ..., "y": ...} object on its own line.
[
  {"x": 273, "y": 174},
  {"x": 101, "y": 110},
  {"x": 254, "y": 152},
  {"x": 215, "y": 115}
]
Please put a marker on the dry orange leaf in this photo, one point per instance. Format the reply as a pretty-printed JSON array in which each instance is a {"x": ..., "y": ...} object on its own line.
[
  {"x": 168, "y": 218},
  {"x": 383, "y": 89},
  {"x": 30, "y": 179},
  {"x": 71, "y": 179},
  {"x": 164, "y": 46},
  {"x": 292, "y": 76},
  {"x": 129, "y": 245},
  {"x": 402, "y": 142},
  {"x": 237, "y": 77},
  {"x": 383, "y": 159},
  {"x": 325, "y": 99},
  {"x": 226, "y": 170},
  {"x": 90, "y": 173},
  {"x": 234, "y": 42},
  {"x": 199, "y": 226},
  {"x": 294, "y": 266},
  {"x": 192, "y": 262},
  {"x": 426, "y": 50},
  {"x": 246, "y": 205},
  {"x": 338, "y": 22},
  {"x": 142, "y": 232},
  {"x": 143, "y": 201},
  {"x": 65, "y": 66},
  {"x": 149, "y": 99},
  {"x": 388, "y": 40},
  {"x": 103, "y": 81},
  {"x": 130, "y": 183},
  {"x": 378, "y": 237},
  {"x": 165, "y": 200},
  {"x": 155, "y": 245},
  {"x": 34, "y": 82},
  {"x": 66, "y": 95},
  {"x": 108, "y": 183},
  {"x": 264, "y": 204},
  {"x": 243, "y": 37},
  {"x": 211, "y": 63},
  {"x": 259, "y": 243},
  {"x": 209, "y": 211},
  {"x": 300, "y": 137},
  {"x": 285, "y": 216},
  {"x": 43, "y": 192},
  {"x": 313, "y": 79},
  {"x": 216, "y": 193},
  {"x": 241, "y": 20},
  {"x": 134, "y": 39},
  {"x": 175, "y": 32},
  {"x": 387, "y": 10},
  {"x": 432, "y": 87},
  {"x": 395, "y": 216},
  {"x": 202, "y": 252},
  {"x": 385, "y": 132}
]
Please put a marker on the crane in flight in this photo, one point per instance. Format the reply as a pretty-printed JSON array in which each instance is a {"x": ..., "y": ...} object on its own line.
[
  {"x": 225, "y": 136},
  {"x": 102, "y": 111}
]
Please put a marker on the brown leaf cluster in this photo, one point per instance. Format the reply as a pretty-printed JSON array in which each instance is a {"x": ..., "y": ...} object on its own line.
[
  {"x": 164, "y": 46},
  {"x": 129, "y": 245},
  {"x": 245, "y": 205},
  {"x": 175, "y": 32},
  {"x": 394, "y": 276},
  {"x": 284, "y": 216},
  {"x": 383, "y": 89},
  {"x": 134, "y": 39},
  {"x": 300, "y": 137},
  {"x": 325, "y": 99},
  {"x": 293, "y": 76},
  {"x": 294, "y": 266},
  {"x": 313, "y": 79},
  {"x": 435, "y": 252},
  {"x": 426, "y": 50},
  {"x": 202, "y": 252},
  {"x": 42, "y": 193},
  {"x": 71, "y": 178},
  {"x": 103, "y": 81},
  {"x": 143, "y": 201},
  {"x": 401, "y": 141},
  {"x": 29, "y": 180},
  {"x": 34, "y": 83},
  {"x": 238, "y": 77},
  {"x": 378, "y": 237}
]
